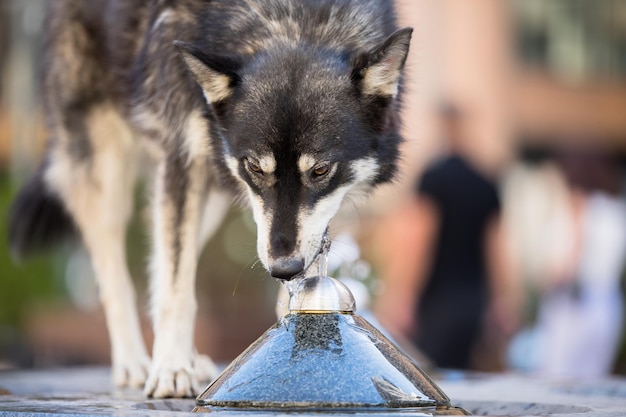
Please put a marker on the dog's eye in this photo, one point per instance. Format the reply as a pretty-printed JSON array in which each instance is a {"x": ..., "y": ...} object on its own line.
[
  {"x": 253, "y": 167},
  {"x": 320, "y": 170}
]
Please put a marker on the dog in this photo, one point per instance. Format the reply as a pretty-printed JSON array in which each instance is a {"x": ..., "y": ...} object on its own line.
[{"x": 289, "y": 106}]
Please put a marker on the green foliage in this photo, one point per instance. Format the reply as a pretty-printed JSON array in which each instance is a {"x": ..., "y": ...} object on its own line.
[{"x": 20, "y": 284}]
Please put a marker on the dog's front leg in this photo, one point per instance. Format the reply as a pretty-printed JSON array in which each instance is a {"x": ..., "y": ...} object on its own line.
[{"x": 178, "y": 198}]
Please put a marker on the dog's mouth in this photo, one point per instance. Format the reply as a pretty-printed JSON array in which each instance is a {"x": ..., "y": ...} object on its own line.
[{"x": 319, "y": 261}]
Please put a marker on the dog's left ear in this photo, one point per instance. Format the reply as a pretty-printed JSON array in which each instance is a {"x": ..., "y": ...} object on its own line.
[
  {"x": 217, "y": 75},
  {"x": 381, "y": 74}
]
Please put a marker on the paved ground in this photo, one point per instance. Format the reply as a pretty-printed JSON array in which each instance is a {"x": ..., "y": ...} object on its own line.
[
  {"x": 87, "y": 391},
  {"x": 517, "y": 395}
]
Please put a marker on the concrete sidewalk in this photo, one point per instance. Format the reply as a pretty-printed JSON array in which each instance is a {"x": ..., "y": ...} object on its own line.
[{"x": 88, "y": 391}]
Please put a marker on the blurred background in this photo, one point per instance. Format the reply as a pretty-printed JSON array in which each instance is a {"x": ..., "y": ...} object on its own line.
[{"x": 503, "y": 237}]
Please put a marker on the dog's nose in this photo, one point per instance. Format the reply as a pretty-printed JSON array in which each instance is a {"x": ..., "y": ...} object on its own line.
[{"x": 286, "y": 268}]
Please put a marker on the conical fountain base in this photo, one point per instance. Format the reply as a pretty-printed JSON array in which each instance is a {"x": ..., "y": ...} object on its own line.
[{"x": 324, "y": 362}]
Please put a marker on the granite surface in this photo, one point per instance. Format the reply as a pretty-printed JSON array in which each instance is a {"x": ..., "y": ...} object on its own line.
[{"x": 323, "y": 361}]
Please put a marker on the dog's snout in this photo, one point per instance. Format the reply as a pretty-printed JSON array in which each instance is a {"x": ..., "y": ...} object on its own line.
[{"x": 286, "y": 268}]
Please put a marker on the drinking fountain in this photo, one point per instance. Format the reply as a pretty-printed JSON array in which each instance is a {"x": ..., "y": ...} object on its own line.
[{"x": 324, "y": 358}]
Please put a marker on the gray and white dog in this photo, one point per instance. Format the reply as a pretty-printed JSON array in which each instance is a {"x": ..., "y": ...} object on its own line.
[{"x": 290, "y": 105}]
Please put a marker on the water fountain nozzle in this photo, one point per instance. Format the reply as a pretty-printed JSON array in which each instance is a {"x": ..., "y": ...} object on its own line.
[{"x": 320, "y": 295}]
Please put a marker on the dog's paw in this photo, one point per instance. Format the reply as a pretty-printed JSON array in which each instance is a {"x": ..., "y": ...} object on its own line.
[
  {"x": 131, "y": 372},
  {"x": 167, "y": 381},
  {"x": 204, "y": 368}
]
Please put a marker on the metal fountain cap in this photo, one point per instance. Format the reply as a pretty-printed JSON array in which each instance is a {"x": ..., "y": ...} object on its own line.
[
  {"x": 323, "y": 358},
  {"x": 320, "y": 294}
]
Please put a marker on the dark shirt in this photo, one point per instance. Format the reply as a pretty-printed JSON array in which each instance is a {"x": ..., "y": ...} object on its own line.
[{"x": 452, "y": 305}]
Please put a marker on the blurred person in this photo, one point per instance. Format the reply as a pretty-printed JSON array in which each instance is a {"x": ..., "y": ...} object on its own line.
[
  {"x": 581, "y": 309},
  {"x": 445, "y": 269},
  {"x": 540, "y": 228}
]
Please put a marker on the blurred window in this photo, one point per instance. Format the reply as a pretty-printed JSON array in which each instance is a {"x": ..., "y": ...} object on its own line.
[{"x": 572, "y": 39}]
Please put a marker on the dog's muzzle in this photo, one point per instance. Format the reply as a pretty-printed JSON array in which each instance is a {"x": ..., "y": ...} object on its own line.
[{"x": 287, "y": 268}]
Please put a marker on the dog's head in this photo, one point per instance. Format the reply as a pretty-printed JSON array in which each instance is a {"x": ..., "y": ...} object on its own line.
[{"x": 301, "y": 128}]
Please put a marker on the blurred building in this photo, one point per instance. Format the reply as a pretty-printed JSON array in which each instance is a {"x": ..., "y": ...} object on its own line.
[
  {"x": 572, "y": 73},
  {"x": 533, "y": 74}
]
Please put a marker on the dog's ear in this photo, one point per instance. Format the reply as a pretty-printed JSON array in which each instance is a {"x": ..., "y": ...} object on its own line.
[
  {"x": 217, "y": 75},
  {"x": 379, "y": 72}
]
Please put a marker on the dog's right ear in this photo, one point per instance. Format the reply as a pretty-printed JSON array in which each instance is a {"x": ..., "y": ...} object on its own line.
[{"x": 217, "y": 75}]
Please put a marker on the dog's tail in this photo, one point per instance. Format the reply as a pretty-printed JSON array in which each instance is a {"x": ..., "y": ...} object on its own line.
[{"x": 38, "y": 219}]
